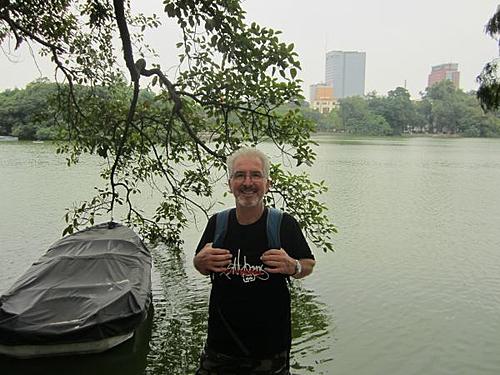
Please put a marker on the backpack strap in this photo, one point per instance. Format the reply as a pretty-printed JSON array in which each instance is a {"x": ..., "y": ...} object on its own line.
[
  {"x": 274, "y": 217},
  {"x": 273, "y": 226},
  {"x": 221, "y": 221}
]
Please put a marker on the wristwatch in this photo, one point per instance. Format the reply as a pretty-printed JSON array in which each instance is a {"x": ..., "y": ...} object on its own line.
[{"x": 298, "y": 268}]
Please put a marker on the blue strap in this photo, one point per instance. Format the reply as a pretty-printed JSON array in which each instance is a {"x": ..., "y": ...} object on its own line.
[
  {"x": 274, "y": 217},
  {"x": 273, "y": 225},
  {"x": 221, "y": 221}
]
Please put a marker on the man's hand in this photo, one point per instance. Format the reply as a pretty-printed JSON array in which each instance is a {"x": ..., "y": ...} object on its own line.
[
  {"x": 212, "y": 259},
  {"x": 278, "y": 261}
]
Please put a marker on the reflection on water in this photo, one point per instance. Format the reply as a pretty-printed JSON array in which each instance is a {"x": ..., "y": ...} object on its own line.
[
  {"x": 180, "y": 322},
  {"x": 312, "y": 332},
  {"x": 170, "y": 340},
  {"x": 414, "y": 285},
  {"x": 129, "y": 358}
]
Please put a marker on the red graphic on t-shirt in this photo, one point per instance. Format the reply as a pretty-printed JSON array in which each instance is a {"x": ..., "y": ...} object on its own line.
[{"x": 246, "y": 271}]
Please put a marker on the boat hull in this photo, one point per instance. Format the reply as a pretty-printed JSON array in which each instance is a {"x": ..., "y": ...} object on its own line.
[{"x": 86, "y": 294}]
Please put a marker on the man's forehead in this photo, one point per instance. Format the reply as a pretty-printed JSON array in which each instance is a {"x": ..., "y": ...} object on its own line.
[{"x": 248, "y": 162}]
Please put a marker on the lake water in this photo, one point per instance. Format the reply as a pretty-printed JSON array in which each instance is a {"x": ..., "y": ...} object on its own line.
[{"x": 413, "y": 287}]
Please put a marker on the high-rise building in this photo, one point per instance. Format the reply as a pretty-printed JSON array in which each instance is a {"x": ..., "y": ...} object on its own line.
[
  {"x": 321, "y": 97},
  {"x": 444, "y": 71},
  {"x": 345, "y": 72}
]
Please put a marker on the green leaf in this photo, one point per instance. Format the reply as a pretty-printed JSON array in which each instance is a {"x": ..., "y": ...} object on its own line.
[
  {"x": 170, "y": 10},
  {"x": 68, "y": 230}
]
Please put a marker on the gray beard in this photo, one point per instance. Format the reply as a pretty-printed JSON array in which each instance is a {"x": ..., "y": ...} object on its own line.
[{"x": 245, "y": 202}]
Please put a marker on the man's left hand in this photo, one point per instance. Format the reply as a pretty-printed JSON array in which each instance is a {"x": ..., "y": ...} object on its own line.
[{"x": 278, "y": 261}]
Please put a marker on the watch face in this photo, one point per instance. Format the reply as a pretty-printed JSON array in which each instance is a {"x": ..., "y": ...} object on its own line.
[{"x": 298, "y": 267}]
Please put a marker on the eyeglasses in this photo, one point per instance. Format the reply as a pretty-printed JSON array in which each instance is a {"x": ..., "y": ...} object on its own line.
[{"x": 241, "y": 176}]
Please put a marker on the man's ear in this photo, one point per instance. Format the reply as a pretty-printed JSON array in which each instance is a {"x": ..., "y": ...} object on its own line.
[{"x": 269, "y": 183}]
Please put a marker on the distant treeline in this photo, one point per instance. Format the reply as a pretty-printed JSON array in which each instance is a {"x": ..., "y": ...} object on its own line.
[
  {"x": 22, "y": 110},
  {"x": 39, "y": 111},
  {"x": 443, "y": 109},
  {"x": 34, "y": 113}
]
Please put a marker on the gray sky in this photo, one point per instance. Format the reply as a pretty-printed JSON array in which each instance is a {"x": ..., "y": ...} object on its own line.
[{"x": 402, "y": 39}]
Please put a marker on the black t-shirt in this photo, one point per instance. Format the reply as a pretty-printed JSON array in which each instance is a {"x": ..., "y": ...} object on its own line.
[{"x": 246, "y": 301}]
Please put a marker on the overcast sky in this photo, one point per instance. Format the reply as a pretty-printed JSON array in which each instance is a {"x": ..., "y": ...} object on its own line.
[{"x": 402, "y": 39}]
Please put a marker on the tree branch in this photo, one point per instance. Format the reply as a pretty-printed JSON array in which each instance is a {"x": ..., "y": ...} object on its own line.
[
  {"x": 129, "y": 60},
  {"x": 216, "y": 103},
  {"x": 177, "y": 106},
  {"x": 125, "y": 38},
  {"x": 14, "y": 26}
]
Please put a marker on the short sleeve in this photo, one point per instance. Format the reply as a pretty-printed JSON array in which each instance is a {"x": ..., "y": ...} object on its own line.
[
  {"x": 208, "y": 234},
  {"x": 293, "y": 240}
]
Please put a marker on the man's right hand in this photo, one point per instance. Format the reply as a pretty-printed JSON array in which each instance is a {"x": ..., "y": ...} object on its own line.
[{"x": 212, "y": 259}]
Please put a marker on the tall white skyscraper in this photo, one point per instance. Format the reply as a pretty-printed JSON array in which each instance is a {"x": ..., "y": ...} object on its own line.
[{"x": 345, "y": 71}]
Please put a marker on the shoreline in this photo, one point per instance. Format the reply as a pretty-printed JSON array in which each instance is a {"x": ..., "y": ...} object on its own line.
[{"x": 406, "y": 135}]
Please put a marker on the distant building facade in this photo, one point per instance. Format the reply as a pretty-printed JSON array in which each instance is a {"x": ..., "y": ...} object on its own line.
[
  {"x": 444, "y": 71},
  {"x": 345, "y": 72},
  {"x": 321, "y": 97}
]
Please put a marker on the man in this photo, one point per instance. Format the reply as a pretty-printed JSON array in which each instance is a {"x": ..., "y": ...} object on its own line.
[{"x": 249, "y": 329}]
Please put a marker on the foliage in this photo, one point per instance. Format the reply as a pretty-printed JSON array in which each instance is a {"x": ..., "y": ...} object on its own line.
[
  {"x": 230, "y": 80},
  {"x": 443, "y": 109},
  {"x": 289, "y": 186},
  {"x": 454, "y": 112},
  {"x": 358, "y": 119},
  {"x": 23, "y": 113},
  {"x": 488, "y": 92},
  {"x": 400, "y": 113}
]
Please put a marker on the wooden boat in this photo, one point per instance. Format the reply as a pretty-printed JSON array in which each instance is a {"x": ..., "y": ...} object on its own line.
[{"x": 86, "y": 294}]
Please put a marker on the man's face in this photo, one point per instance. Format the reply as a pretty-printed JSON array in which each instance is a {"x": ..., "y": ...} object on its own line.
[{"x": 248, "y": 183}]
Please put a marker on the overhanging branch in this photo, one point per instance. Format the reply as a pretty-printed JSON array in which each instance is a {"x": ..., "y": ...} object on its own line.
[
  {"x": 16, "y": 27},
  {"x": 125, "y": 38},
  {"x": 129, "y": 60},
  {"x": 177, "y": 106}
]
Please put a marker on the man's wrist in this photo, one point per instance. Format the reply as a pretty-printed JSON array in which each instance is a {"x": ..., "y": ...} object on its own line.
[{"x": 297, "y": 269}]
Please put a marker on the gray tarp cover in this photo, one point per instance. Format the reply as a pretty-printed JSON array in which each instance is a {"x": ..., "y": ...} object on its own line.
[{"x": 91, "y": 285}]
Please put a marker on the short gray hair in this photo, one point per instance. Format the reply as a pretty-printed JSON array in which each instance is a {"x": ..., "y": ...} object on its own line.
[{"x": 250, "y": 152}]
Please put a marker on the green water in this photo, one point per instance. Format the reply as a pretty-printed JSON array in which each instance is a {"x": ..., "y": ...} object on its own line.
[{"x": 413, "y": 288}]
